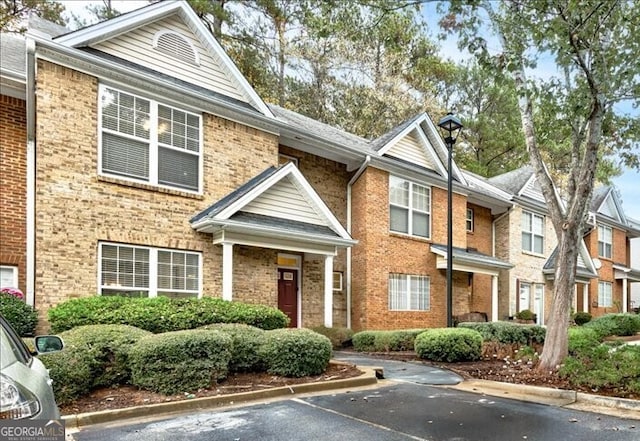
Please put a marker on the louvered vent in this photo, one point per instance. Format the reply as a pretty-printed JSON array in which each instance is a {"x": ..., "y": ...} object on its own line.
[{"x": 175, "y": 45}]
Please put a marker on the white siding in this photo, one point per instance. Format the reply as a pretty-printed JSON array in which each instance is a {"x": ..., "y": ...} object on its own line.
[
  {"x": 411, "y": 149},
  {"x": 533, "y": 191},
  {"x": 284, "y": 200},
  {"x": 609, "y": 209},
  {"x": 137, "y": 46}
]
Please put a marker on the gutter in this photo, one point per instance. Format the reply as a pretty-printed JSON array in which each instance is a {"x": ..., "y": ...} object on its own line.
[
  {"x": 31, "y": 170},
  {"x": 352, "y": 181}
]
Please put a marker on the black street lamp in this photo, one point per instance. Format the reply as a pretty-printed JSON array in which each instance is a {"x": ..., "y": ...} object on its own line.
[{"x": 451, "y": 126}]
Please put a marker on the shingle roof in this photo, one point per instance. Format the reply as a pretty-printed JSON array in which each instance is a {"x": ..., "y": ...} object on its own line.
[
  {"x": 473, "y": 255},
  {"x": 382, "y": 140},
  {"x": 12, "y": 52},
  {"x": 599, "y": 195},
  {"x": 581, "y": 270},
  {"x": 514, "y": 180}
]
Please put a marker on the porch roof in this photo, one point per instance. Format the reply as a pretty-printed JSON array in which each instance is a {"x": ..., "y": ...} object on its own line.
[{"x": 470, "y": 260}]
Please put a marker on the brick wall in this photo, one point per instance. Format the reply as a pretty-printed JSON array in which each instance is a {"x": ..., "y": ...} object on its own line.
[
  {"x": 77, "y": 209},
  {"x": 13, "y": 185},
  {"x": 606, "y": 273}
]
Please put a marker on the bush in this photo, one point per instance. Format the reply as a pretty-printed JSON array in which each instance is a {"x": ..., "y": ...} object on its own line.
[
  {"x": 582, "y": 340},
  {"x": 339, "y": 337},
  {"x": 161, "y": 314},
  {"x": 22, "y": 317},
  {"x": 247, "y": 341},
  {"x": 508, "y": 332},
  {"x": 296, "y": 352},
  {"x": 615, "y": 324},
  {"x": 401, "y": 340},
  {"x": 364, "y": 341},
  {"x": 525, "y": 314},
  {"x": 449, "y": 344},
  {"x": 180, "y": 361},
  {"x": 580, "y": 318},
  {"x": 93, "y": 356}
]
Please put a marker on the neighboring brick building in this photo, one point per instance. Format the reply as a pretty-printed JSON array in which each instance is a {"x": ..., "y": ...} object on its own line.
[{"x": 128, "y": 174}]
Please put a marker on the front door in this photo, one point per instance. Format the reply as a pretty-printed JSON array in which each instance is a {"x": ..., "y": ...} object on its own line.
[{"x": 288, "y": 294}]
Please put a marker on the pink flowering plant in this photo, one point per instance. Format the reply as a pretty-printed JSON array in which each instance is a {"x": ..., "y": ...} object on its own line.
[{"x": 15, "y": 292}]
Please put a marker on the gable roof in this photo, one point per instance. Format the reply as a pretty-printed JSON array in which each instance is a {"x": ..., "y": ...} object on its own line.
[
  {"x": 606, "y": 201},
  {"x": 586, "y": 269},
  {"x": 118, "y": 30},
  {"x": 279, "y": 199},
  {"x": 514, "y": 181}
]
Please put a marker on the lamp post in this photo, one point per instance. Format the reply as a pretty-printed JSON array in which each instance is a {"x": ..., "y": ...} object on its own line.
[{"x": 451, "y": 126}]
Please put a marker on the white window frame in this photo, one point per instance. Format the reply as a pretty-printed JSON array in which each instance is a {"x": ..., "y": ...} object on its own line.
[
  {"x": 605, "y": 244},
  {"x": 403, "y": 300},
  {"x": 470, "y": 220},
  {"x": 154, "y": 145},
  {"x": 14, "y": 275},
  {"x": 532, "y": 233},
  {"x": 338, "y": 286},
  {"x": 153, "y": 288},
  {"x": 605, "y": 294},
  {"x": 410, "y": 209}
]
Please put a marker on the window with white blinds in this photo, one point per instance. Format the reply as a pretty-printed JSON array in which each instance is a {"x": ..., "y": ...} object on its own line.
[
  {"x": 135, "y": 271},
  {"x": 409, "y": 207},
  {"x": 144, "y": 140},
  {"x": 409, "y": 293}
]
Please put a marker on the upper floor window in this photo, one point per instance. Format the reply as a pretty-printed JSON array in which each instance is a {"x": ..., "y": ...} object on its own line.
[
  {"x": 470, "y": 220},
  {"x": 605, "y": 241},
  {"x": 148, "y": 272},
  {"x": 605, "y": 294},
  {"x": 532, "y": 232},
  {"x": 147, "y": 141},
  {"x": 410, "y": 207},
  {"x": 409, "y": 293}
]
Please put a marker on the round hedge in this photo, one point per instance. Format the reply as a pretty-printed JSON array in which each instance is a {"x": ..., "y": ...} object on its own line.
[
  {"x": 296, "y": 352},
  {"x": 180, "y": 361},
  {"x": 22, "y": 317},
  {"x": 449, "y": 344},
  {"x": 247, "y": 341}
]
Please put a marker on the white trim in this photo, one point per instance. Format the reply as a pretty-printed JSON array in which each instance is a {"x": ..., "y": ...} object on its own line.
[
  {"x": 163, "y": 32},
  {"x": 14, "y": 271},
  {"x": 494, "y": 298},
  {"x": 328, "y": 291},
  {"x": 227, "y": 271},
  {"x": 340, "y": 288}
]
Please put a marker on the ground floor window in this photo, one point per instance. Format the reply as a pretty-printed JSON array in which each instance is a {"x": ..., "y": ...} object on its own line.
[
  {"x": 136, "y": 271},
  {"x": 409, "y": 292},
  {"x": 605, "y": 294},
  {"x": 8, "y": 276}
]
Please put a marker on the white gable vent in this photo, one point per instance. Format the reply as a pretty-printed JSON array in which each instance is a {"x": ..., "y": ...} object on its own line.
[{"x": 177, "y": 46}]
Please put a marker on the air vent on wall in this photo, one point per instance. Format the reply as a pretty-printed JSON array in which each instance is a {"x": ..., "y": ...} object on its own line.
[{"x": 177, "y": 46}]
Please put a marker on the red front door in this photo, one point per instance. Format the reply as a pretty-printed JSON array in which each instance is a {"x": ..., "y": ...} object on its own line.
[{"x": 288, "y": 294}]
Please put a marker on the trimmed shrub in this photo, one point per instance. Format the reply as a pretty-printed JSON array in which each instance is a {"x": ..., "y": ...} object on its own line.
[
  {"x": 22, "y": 317},
  {"x": 582, "y": 340},
  {"x": 401, "y": 340},
  {"x": 364, "y": 341},
  {"x": 161, "y": 314},
  {"x": 93, "y": 356},
  {"x": 525, "y": 314},
  {"x": 449, "y": 344},
  {"x": 180, "y": 361},
  {"x": 340, "y": 337},
  {"x": 580, "y": 318},
  {"x": 615, "y": 324},
  {"x": 296, "y": 352},
  {"x": 247, "y": 340},
  {"x": 508, "y": 332}
]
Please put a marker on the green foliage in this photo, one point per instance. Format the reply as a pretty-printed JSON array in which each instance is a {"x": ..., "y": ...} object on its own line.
[
  {"x": 22, "y": 317},
  {"x": 15, "y": 10},
  {"x": 161, "y": 314},
  {"x": 180, "y": 361},
  {"x": 525, "y": 314},
  {"x": 615, "y": 324},
  {"x": 582, "y": 339},
  {"x": 507, "y": 332},
  {"x": 93, "y": 356},
  {"x": 364, "y": 341},
  {"x": 340, "y": 337},
  {"x": 296, "y": 352},
  {"x": 247, "y": 341},
  {"x": 580, "y": 318},
  {"x": 449, "y": 344}
]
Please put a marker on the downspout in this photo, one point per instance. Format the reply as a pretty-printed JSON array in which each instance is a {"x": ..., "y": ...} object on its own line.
[
  {"x": 349, "y": 185},
  {"x": 31, "y": 170}
]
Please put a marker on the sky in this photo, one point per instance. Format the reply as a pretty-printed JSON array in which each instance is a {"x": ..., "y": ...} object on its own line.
[{"x": 628, "y": 183}]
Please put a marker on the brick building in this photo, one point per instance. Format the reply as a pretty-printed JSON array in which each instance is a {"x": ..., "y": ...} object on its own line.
[{"x": 137, "y": 160}]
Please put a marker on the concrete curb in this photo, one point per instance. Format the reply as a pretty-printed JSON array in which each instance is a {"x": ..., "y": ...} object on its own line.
[{"x": 152, "y": 410}]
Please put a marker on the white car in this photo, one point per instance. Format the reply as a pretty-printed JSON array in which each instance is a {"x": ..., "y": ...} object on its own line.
[{"x": 25, "y": 386}]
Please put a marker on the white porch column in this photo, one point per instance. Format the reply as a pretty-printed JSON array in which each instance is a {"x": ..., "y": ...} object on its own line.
[
  {"x": 585, "y": 297},
  {"x": 625, "y": 295},
  {"x": 227, "y": 271},
  {"x": 328, "y": 291},
  {"x": 494, "y": 298}
]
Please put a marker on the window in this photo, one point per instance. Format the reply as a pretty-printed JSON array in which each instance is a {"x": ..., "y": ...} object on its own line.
[
  {"x": 605, "y": 295},
  {"x": 8, "y": 276},
  {"x": 409, "y": 293},
  {"x": 148, "y": 272},
  {"x": 525, "y": 296},
  {"x": 470, "y": 220},
  {"x": 532, "y": 232},
  {"x": 410, "y": 207},
  {"x": 144, "y": 140},
  {"x": 605, "y": 241},
  {"x": 337, "y": 281}
]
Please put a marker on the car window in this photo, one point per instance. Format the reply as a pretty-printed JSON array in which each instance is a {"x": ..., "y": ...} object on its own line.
[{"x": 11, "y": 341}]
